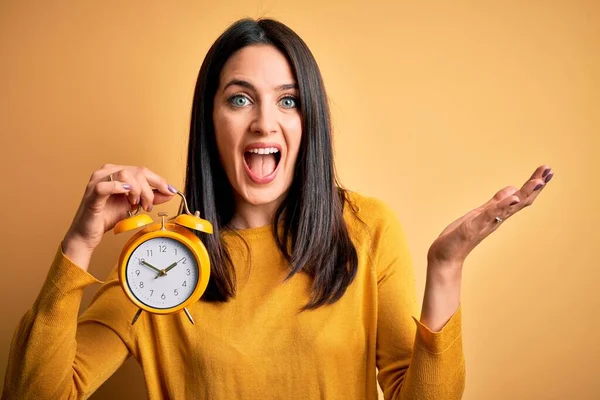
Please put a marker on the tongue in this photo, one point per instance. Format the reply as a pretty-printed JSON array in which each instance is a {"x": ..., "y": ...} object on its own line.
[{"x": 261, "y": 164}]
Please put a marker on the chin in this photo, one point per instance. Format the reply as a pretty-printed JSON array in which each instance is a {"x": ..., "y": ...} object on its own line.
[{"x": 261, "y": 196}]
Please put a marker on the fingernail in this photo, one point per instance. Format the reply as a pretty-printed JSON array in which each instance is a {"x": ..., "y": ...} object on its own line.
[
  {"x": 150, "y": 208},
  {"x": 126, "y": 186},
  {"x": 538, "y": 187},
  {"x": 548, "y": 178},
  {"x": 514, "y": 202},
  {"x": 172, "y": 189},
  {"x": 546, "y": 172}
]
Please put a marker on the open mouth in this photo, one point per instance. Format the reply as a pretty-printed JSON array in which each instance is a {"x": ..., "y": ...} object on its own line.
[{"x": 262, "y": 164}]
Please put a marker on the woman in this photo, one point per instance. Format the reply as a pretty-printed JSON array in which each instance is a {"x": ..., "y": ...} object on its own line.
[{"x": 312, "y": 288}]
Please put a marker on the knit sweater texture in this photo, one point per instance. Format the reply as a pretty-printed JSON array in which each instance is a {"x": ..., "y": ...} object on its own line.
[{"x": 255, "y": 346}]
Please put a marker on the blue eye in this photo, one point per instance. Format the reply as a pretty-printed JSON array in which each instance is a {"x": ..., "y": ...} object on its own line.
[
  {"x": 238, "y": 100},
  {"x": 288, "y": 102}
]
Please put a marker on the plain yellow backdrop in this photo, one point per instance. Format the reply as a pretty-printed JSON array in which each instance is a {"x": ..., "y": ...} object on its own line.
[{"x": 436, "y": 106}]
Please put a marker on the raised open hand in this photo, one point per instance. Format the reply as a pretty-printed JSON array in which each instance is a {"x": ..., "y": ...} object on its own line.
[{"x": 456, "y": 241}]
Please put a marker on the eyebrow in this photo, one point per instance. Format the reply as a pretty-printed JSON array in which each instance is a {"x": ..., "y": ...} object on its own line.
[{"x": 248, "y": 85}]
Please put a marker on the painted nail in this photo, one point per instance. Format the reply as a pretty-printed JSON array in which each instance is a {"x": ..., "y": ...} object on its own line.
[
  {"x": 538, "y": 187},
  {"x": 546, "y": 172},
  {"x": 172, "y": 189},
  {"x": 548, "y": 178},
  {"x": 150, "y": 208},
  {"x": 514, "y": 202},
  {"x": 126, "y": 186}
]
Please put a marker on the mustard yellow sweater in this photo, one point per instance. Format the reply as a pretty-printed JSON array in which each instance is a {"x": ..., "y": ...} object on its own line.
[{"x": 256, "y": 346}]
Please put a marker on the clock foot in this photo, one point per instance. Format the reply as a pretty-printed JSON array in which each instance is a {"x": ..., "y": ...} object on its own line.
[
  {"x": 136, "y": 316},
  {"x": 188, "y": 315}
]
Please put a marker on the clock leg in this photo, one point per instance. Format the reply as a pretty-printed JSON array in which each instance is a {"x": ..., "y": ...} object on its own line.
[
  {"x": 188, "y": 315},
  {"x": 136, "y": 316}
]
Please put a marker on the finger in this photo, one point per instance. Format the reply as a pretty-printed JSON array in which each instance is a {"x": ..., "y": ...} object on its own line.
[
  {"x": 533, "y": 187},
  {"x": 158, "y": 182},
  {"x": 155, "y": 180},
  {"x": 541, "y": 172},
  {"x": 125, "y": 175},
  {"x": 104, "y": 173},
  {"x": 498, "y": 197},
  {"x": 147, "y": 195},
  {"x": 529, "y": 191},
  {"x": 103, "y": 190},
  {"x": 486, "y": 222},
  {"x": 503, "y": 205},
  {"x": 502, "y": 194},
  {"x": 160, "y": 197},
  {"x": 538, "y": 189}
]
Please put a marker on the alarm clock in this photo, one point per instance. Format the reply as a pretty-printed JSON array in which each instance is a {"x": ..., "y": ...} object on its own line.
[{"x": 164, "y": 268}]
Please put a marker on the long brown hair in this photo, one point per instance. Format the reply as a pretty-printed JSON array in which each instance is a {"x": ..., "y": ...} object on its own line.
[{"x": 312, "y": 213}]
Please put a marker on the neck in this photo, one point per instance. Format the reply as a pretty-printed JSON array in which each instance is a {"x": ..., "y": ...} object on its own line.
[{"x": 248, "y": 216}]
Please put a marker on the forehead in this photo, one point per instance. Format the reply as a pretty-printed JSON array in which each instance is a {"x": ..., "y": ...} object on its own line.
[{"x": 260, "y": 65}]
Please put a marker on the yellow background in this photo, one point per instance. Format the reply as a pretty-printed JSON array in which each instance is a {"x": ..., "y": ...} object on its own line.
[{"x": 436, "y": 106}]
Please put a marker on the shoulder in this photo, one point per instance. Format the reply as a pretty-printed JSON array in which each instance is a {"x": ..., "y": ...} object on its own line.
[
  {"x": 364, "y": 213},
  {"x": 376, "y": 232}
]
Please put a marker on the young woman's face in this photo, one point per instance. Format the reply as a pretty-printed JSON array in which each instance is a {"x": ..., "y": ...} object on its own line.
[{"x": 257, "y": 124}]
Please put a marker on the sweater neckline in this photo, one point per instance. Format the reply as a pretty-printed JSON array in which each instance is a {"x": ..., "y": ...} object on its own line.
[{"x": 250, "y": 232}]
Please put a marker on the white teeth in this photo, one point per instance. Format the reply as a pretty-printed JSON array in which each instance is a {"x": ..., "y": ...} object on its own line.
[{"x": 266, "y": 150}]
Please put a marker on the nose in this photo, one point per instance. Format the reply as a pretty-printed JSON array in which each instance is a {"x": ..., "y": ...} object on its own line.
[{"x": 265, "y": 119}]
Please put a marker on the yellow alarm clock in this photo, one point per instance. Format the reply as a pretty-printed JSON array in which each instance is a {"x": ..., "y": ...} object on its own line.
[{"x": 164, "y": 268}]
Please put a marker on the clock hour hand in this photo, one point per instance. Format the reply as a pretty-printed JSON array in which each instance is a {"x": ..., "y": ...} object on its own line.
[{"x": 151, "y": 266}]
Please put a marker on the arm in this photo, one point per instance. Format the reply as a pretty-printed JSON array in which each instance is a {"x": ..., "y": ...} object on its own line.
[
  {"x": 52, "y": 355},
  {"x": 414, "y": 362},
  {"x": 437, "y": 365}
]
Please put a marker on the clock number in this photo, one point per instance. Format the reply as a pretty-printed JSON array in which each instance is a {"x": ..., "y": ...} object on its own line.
[
  {"x": 175, "y": 250},
  {"x": 175, "y": 292},
  {"x": 184, "y": 283},
  {"x": 162, "y": 248},
  {"x": 151, "y": 292},
  {"x": 137, "y": 272},
  {"x": 187, "y": 271},
  {"x": 184, "y": 260},
  {"x": 142, "y": 261},
  {"x": 162, "y": 296},
  {"x": 149, "y": 253},
  {"x": 141, "y": 285}
]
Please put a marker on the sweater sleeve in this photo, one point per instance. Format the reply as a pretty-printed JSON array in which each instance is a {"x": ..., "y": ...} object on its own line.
[
  {"x": 414, "y": 363},
  {"x": 53, "y": 355}
]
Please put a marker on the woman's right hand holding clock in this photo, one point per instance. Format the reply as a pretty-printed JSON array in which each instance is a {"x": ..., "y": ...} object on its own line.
[{"x": 111, "y": 192}]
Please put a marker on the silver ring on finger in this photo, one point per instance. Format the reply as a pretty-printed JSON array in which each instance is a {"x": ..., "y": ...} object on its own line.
[{"x": 499, "y": 220}]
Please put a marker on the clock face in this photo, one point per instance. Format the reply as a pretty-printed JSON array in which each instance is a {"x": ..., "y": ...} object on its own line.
[{"x": 162, "y": 273}]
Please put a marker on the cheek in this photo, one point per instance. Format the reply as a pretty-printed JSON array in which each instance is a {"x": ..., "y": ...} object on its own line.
[
  {"x": 228, "y": 134},
  {"x": 294, "y": 137}
]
